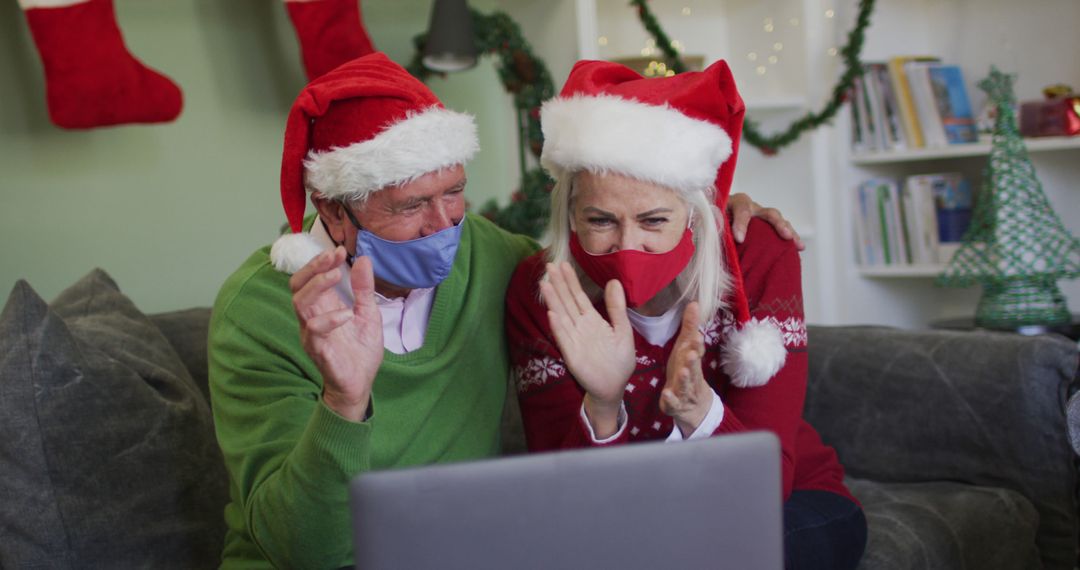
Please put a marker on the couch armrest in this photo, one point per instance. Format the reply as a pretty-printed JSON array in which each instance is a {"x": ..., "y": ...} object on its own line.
[{"x": 975, "y": 407}]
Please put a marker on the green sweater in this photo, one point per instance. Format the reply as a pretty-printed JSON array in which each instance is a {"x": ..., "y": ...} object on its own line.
[{"x": 290, "y": 458}]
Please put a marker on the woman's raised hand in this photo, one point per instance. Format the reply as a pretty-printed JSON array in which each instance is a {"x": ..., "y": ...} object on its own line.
[
  {"x": 599, "y": 354},
  {"x": 686, "y": 396}
]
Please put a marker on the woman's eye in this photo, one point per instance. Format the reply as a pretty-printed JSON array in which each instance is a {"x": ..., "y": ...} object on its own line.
[
  {"x": 654, "y": 222},
  {"x": 600, "y": 222}
]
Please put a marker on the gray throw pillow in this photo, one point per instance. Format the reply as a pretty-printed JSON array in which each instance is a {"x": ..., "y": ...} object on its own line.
[{"x": 107, "y": 447}]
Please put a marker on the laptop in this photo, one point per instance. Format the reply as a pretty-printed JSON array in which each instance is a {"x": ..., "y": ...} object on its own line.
[{"x": 711, "y": 503}]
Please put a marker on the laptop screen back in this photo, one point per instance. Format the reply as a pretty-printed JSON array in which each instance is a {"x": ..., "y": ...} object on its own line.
[{"x": 712, "y": 503}]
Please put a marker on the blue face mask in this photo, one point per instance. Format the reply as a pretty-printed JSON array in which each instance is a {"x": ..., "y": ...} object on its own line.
[{"x": 414, "y": 264}]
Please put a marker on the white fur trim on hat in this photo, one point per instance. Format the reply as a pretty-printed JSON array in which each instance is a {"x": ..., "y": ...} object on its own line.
[
  {"x": 753, "y": 354},
  {"x": 656, "y": 143},
  {"x": 290, "y": 252},
  {"x": 423, "y": 142}
]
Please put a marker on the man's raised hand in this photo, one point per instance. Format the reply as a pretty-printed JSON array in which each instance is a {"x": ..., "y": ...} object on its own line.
[{"x": 344, "y": 341}]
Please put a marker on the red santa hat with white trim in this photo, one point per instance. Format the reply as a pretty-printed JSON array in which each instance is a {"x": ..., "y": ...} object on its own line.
[
  {"x": 362, "y": 127},
  {"x": 681, "y": 132}
]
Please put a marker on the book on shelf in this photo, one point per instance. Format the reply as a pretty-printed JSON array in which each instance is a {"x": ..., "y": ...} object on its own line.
[
  {"x": 953, "y": 105},
  {"x": 904, "y": 101},
  {"x": 862, "y": 117},
  {"x": 891, "y": 123},
  {"x": 953, "y": 203},
  {"x": 858, "y": 143},
  {"x": 918, "y": 202},
  {"x": 876, "y": 121},
  {"x": 865, "y": 250},
  {"x": 881, "y": 238},
  {"x": 910, "y": 102},
  {"x": 877, "y": 114},
  {"x": 922, "y": 92},
  {"x": 918, "y": 222}
]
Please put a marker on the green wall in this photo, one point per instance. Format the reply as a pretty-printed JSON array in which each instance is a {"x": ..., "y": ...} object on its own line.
[{"x": 170, "y": 210}]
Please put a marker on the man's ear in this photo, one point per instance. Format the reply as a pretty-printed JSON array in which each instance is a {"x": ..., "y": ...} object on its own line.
[{"x": 332, "y": 213}]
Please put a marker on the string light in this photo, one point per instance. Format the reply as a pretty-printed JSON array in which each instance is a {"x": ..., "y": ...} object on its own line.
[
  {"x": 773, "y": 59},
  {"x": 794, "y": 22},
  {"x": 777, "y": 46},
  {"x": 686, "y": 11},
  {"x": 830, "y": 13},
  {"x": 770, "y": 144},
  {"x": 656, "y": 68},
  {"x": 602, "y": 40},
  {"x": 752, "y": 56}
]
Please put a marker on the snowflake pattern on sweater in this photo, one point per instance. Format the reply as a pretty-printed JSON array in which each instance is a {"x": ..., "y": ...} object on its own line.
[{"x": 537, "y": 371}]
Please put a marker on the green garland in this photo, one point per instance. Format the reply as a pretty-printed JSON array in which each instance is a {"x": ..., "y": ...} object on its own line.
[
  {"x": 527, "y": 78},
  {"x": 770, "y": 144}
]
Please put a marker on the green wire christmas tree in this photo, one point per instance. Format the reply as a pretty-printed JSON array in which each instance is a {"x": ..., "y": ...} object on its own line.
[{"x": 1016, "y": 247}]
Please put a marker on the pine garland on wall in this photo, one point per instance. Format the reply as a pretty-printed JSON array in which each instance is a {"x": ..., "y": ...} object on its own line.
[
  {"x": 771, "y": 144},
  {"x": 526, "y": 77}
]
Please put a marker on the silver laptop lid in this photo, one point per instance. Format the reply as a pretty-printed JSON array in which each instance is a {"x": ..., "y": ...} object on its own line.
[{"x": 712, "y": 503}]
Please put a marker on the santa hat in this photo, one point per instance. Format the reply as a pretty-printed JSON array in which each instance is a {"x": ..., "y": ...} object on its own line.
[
  {"x": 681, "y": 132},
  {"x": 362, "y": 127}
]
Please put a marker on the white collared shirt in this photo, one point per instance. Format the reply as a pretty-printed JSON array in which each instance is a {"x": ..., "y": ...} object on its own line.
[{"x": 404, "y": 319}]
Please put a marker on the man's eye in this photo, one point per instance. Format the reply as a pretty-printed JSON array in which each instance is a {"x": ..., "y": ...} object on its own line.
[{"x": 601, "y": 222}]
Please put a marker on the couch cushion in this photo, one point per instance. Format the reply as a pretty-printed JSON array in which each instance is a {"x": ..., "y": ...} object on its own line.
[
  {"x": 186, "y": 330},
  {"x": 1073, "y": 414},
  {"x": 944, "y": 525},
  {"x": 106, "y": 446},
  {"x": 975, "y": 407}
]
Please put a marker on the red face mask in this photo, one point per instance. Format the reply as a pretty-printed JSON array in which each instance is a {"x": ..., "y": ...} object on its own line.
[{"x": 641, "y": 274}]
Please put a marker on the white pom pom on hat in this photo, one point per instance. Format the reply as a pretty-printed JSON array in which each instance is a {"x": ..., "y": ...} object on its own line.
[
  {"x": 753, "y": 354},
  {"x": 290, "y": 252}
]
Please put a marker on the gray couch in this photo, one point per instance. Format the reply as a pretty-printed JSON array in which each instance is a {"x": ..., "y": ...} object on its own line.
[{"x": 956, "y": 443}]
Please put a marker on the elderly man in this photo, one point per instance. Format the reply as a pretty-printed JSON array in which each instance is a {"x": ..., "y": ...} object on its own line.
[{"x": 385, "y": 347}]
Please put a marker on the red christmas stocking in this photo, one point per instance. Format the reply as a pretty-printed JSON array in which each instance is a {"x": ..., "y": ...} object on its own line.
[
  {"x": 331, "y": 32},
  {"x": 91, "y": 78}
]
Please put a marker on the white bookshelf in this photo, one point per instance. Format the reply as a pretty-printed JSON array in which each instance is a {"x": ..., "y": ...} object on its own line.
[
  {"x": 972, "y": 34},
  {"x": 889, "y": 271},
  {"x": 981, "y": 148}
]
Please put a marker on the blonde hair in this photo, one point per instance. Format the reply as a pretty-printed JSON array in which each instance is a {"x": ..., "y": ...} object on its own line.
[{"x": 705, "y": 279}]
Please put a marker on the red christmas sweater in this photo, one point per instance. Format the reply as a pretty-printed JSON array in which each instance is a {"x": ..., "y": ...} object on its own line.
[{"x": 551, "y": 399}]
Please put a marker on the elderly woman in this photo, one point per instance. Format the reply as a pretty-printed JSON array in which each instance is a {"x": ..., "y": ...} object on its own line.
[{"x": 644, "y": 320}]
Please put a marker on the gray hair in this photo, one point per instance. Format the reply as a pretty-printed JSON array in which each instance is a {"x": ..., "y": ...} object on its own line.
[{"x": 705, "y": 278}]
